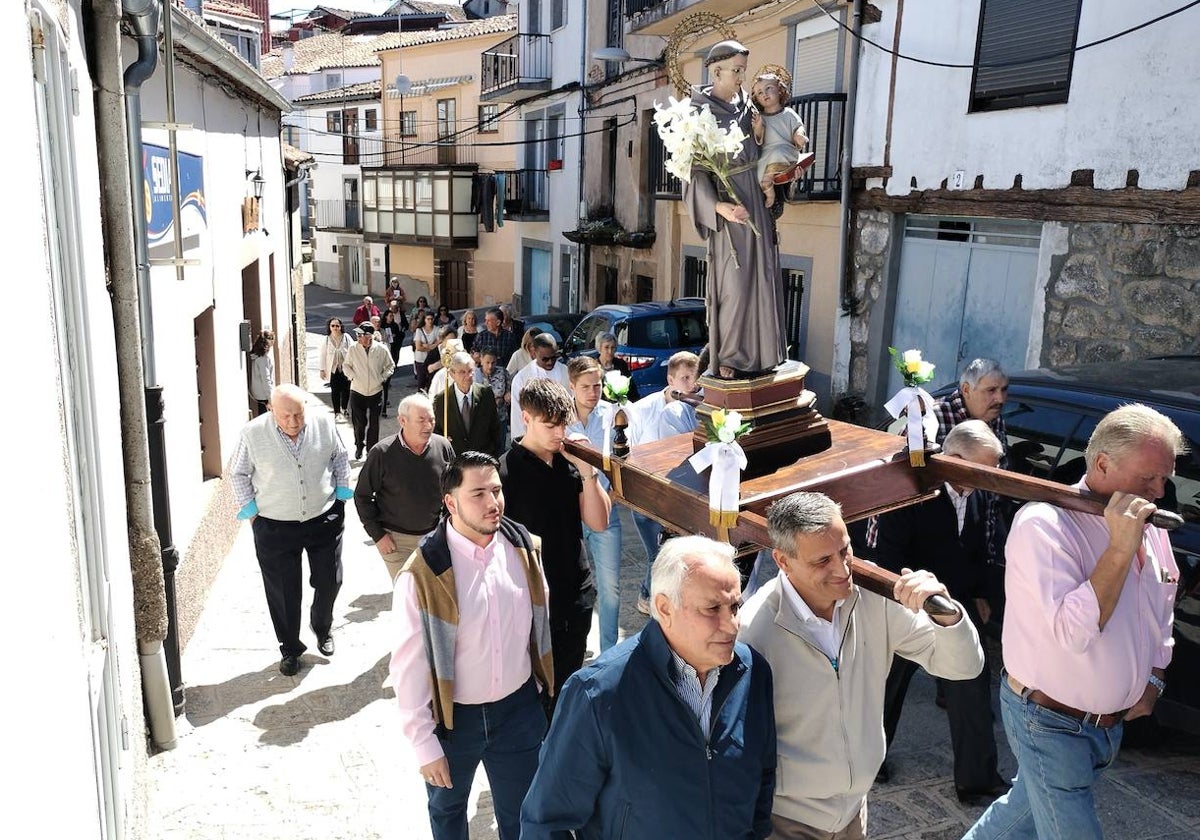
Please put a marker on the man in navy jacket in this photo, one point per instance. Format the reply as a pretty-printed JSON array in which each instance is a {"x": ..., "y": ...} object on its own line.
[{"x": 670, "y": 733}]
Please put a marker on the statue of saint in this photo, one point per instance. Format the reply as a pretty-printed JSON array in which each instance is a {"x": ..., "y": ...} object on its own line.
[{"x": 745, "y": 288}]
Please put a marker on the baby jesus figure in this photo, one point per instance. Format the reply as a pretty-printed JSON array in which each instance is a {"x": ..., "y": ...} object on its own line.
[{"x": 781, "y": 134}]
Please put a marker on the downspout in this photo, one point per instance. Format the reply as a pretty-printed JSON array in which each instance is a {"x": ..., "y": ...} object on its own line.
[
  {"x": 849, "y": 306},
  {"x": 584, "y": 256},
  {"x": 122, "y": 224}
]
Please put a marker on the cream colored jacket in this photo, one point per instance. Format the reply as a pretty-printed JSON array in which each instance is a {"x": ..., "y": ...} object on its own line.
[{"x": 829, "y": 722}]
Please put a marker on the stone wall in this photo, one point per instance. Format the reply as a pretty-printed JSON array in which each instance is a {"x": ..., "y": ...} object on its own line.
[
  {"x": 1123, "y": 291},
  {"x": 871, "y": 247}
]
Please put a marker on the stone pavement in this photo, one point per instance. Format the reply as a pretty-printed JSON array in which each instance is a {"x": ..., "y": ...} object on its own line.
[{"x": 319, "y": 756}]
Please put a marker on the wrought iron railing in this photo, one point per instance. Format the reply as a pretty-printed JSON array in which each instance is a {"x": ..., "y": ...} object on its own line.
[
  {"x": 824, "y": 120},
  {"x": 636, "y": 7},
  {"x": 522, "y": 61},
  {"x": 526, "y": 193},
  {"x": 662, "y": 183}
]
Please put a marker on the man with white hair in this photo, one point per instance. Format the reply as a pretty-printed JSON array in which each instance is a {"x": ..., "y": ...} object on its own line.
[
  {"x": 946, "y": 535},
  {"x": 703, "y": 763},
  {"x": 830, "y": 645},
  {"x": 465, "y": 412},
  {"x": 398, "y": 495},
  {"x": 1087, "y": 637},
  {"x": 291, "y": 477}
]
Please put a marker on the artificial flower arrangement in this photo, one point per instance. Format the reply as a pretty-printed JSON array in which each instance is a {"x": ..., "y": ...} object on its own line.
[
  {"x": 725, "y": 427},
  {"x": 616, "y": 387},
  {"x": 915, "y": 400},
  {"x": 693, "y": 139}
]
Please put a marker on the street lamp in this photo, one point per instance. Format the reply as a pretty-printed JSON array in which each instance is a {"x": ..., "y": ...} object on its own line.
[{"x": 258, "y": 181}]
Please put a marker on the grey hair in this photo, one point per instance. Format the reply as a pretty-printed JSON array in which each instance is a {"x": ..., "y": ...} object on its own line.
[
  {"x": 978, "y": 369},
  {"x": 461, "y": 360},
  {"x": 800, "y": 513},
  {"x": 1129, "y": 426},
  {"x": 970, "y": 437},
  {"x": 604, "y": 338},
  {"x": 408, "y": 402},
  {"x": 675, "y": 561}
]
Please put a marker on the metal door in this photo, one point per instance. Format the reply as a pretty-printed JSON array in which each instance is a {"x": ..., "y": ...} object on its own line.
[
  {"x": 965, "y": 290},
  {"x": 351, "y": 259}
]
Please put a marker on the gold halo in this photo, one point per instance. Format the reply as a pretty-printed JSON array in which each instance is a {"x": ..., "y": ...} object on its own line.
[
  {"x": 685, "y": 33},
  {"x": 777, "y": 70}
]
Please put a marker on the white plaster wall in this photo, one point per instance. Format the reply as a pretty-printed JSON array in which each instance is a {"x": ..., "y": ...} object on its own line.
[
  {"x": 232, "y": 135},
  {"x": 44, "y": 717},
  {"x": 1131, "y": 104}
]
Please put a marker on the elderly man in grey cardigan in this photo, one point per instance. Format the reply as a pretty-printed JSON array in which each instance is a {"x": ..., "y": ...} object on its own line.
[{"x": 291, "y": 477}]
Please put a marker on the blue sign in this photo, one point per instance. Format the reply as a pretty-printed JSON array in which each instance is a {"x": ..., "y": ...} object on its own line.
[{"x": 156, "y": 175}]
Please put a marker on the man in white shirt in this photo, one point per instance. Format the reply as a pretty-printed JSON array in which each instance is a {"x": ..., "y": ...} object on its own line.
[
  {"x": 545, "y": 365},
  {"x": 655, "y": 417},
  {"x": 368, "y": 365}
]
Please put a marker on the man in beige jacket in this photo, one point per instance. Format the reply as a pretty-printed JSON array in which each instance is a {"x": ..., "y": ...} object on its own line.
[
  {"x": 830, "y": 646},
  {"x": 368, "y": 365}
]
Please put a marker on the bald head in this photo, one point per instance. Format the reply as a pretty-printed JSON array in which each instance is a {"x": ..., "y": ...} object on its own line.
[{"x": 287, "y": 407}]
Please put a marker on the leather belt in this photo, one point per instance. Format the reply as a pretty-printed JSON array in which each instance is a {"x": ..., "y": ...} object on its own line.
[{"x": 1040, "y": 698}]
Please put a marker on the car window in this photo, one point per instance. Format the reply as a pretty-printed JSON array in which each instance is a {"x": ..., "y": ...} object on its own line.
[
  {"x": 1036, "y": 433},
  {"x": 667, "y": 332},
  {"x": 584, "y": 336}
]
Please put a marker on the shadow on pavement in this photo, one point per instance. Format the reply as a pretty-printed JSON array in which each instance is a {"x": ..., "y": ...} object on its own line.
[
  {"x": 368, "y": 607},
  {"x": 289, "y": 723},
  {"x": 207, "y": 703}
]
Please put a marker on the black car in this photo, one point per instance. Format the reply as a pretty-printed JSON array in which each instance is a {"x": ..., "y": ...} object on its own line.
[{"x": 1049, "y": 416}]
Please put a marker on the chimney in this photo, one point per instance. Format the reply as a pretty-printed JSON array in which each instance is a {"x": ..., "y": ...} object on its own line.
[{"x": 289, "y": 56}]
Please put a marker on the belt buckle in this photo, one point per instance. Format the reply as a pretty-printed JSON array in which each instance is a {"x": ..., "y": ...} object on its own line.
[{"x": 1097, "y": 716}]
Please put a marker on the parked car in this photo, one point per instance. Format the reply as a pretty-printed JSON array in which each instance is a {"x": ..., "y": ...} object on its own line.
[
  {"x": 648, "y": 334},
  {"x": 1049, "y": 416},
  {"x": 558, "y": 324}
]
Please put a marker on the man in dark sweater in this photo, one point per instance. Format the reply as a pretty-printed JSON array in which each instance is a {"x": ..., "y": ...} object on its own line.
[
  {"x": 554, "y": 494},
  {"x": 399, "y": 495},
  {"x": 947, "y": 535}
]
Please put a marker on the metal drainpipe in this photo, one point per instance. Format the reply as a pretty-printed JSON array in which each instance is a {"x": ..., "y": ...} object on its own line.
[
  {"x": 143, "y": 18},
  {"x": 122, "y": 222},
  {"x": 581, "y": 266}
]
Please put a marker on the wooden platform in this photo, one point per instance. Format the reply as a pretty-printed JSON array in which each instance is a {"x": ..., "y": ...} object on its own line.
[{"x": 863, "y": 469}]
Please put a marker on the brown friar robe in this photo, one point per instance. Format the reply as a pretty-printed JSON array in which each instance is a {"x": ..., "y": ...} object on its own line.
[{"x": 745, "y": 287}]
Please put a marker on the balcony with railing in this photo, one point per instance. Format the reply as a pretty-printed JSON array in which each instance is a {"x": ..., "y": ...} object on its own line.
[
  {"x": 823, "y": 115},
  {"x": 519, "y": 63},
  {"x": 526, "y": 195},
  {"x": 660, "y": 17},
  {"x": 338, "y": 214},
  {"x": 424, "y": 146}
]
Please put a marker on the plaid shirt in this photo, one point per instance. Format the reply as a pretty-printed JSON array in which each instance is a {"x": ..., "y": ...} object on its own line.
[
  {"x": 950, "y": 411},
  {"x": 503, "y": 345}
]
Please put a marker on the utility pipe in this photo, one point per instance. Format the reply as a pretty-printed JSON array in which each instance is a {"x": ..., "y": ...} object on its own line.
[
  {"x": 116, "y": 169},
  {"x": 848, "y": 160}
]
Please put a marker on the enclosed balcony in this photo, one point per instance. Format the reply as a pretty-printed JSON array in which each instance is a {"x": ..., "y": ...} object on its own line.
[
  {"x": 516, "y": 68},
  {"x": 420, "y": 206}
]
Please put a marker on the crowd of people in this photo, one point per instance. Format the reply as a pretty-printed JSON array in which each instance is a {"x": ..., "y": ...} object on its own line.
[{"x": 727, "y": 715}]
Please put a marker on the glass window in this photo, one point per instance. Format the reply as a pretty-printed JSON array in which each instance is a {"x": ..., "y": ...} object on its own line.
[
  {"x": 333, "y": 122},
  {"x": 370, "y": 120},
  {"x": 489, "y": 118},
  {"x": 408, "y": 123}
]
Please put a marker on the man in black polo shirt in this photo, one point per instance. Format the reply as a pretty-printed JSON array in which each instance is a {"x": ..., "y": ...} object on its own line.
[
  {"x": 399, "y": 495},
  {"x": 554, "y": 494}
]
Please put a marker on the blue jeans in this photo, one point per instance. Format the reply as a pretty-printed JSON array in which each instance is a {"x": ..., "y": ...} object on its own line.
[
  {"x": 506, "y": 736},
  {"x": 1058, "y": 760},
  {"x": 604, "y": 547},
  {"x": 650, "y": 532}
]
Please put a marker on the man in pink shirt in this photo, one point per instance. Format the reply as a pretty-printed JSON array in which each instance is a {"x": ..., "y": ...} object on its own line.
[
  {"x": 1087, "y": 634},
  {"x": 470, "y": 610}
]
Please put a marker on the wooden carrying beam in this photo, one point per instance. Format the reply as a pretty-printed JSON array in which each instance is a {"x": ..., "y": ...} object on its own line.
[{"x": 1028, "y": 488}]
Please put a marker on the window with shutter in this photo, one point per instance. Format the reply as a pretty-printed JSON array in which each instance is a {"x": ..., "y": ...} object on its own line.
[
  {"x": 815, "y": 69},
  {"x": 1024, "y": 53}
]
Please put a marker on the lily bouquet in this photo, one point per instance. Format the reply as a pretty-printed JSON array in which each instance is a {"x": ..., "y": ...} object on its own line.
[
  {"x": 693, "y": 139},
  {"x": 922, "y": 423}
]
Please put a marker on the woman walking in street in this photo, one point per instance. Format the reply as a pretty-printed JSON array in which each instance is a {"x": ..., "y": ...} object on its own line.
[
  {"x": 425, "y": 342},
  {"x": 262, "y": 370},
  {"x": 333, "y": 354}
]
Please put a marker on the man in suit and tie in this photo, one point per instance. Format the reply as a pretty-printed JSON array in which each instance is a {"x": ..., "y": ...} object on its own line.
[
  {"x": 947, "y": 535},
  {"x": 471, "y": 421}
]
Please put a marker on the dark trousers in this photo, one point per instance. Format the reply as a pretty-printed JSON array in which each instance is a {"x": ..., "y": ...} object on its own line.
[
  {"x": 569, "y": 628},
  {"x": 506, "y": 736},
  {"x": 969, "y": 709},
  {"x": 339, "y": 391},
  {"x": 279, "y": 546},
  {"x": 364, "y": 417}
]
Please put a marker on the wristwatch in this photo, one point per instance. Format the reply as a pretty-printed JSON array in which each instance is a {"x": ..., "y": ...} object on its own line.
[{"x": 1157, "y": 683}]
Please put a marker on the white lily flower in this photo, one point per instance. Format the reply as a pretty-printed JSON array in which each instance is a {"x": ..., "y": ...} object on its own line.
[
  {"x": 725, "y": 434},
  {"x": 733, "y": 420}
]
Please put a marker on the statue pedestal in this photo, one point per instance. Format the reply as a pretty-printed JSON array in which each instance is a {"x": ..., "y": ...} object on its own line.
[{"x": 784, "y": 425}]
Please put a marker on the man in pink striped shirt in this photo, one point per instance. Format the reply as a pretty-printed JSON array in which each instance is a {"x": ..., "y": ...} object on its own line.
[
  {"x": 470, "y": 611},
  {"x": 1087, "y": 634}
]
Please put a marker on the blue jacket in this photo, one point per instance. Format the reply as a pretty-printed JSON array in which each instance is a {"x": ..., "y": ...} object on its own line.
[{"x": 626, "y": 759}]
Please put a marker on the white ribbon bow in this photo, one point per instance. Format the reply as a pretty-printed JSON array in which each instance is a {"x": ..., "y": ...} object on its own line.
[
  {"x": 922, "y": 422},
  {"x": 727, "y": 461},
  {"x": 606, "y": 423}
]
